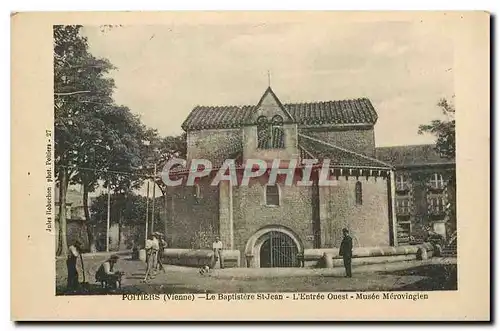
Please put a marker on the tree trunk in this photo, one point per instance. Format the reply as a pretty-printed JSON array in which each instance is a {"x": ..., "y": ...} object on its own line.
[
  {"x": 90, "y": 235},
  {"x": 63, "y": 240}
]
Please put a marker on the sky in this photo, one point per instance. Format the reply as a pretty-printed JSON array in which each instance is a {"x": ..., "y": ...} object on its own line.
[{"x": 163, "y": 71}]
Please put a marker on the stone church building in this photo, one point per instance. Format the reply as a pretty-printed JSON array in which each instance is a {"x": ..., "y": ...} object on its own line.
[{"x": 269, "y": 225}]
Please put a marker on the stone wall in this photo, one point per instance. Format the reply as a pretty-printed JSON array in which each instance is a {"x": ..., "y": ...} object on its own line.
[
  {"x": 130, "y": 233},
  {"x": 192, "y": 221},
  {"x": 206, "y": 144},
  {"x": 250, "y": 212},
  {"x": 369, "y": 222}
]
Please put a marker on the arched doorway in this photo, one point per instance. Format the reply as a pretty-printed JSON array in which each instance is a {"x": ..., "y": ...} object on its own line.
[
  {"x": 278, "y": 251},
  {"x": 273, "y": 247}
]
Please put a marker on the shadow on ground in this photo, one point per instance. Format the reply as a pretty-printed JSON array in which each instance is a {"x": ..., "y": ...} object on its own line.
[
  {"x": 95, "y": 289},
  {"x": 438, "y": 277}
]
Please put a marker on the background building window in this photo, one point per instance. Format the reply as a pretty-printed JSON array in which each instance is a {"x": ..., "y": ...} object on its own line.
[
  {"x": 359, "y": 193},
  {"x": 401, "y": 183},
  {"x": 402, "y": 206},
  {"x": 404, "y": 232},
  {"x": 436, "y": 181},
  {"x": 272, "y": 195},
  {"x": 437, "y": 205}
]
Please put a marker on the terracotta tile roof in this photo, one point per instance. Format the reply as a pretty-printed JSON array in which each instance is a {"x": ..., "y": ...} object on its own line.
[
  {"x": 411, "y": 155},
  {"x": 356, "y": 111},
  {"x": 314, "y": 148},
  {"x": 334, "y": 112}
]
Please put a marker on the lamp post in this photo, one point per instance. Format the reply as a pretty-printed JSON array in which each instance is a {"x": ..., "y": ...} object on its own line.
[
  {"x": 147, "y": 143},
  {"x": 108, "y": 216},
  {"x": 147, "y": 213},
  {"x": 106, "y": 171},
  {"x": 153, "y": 202}
]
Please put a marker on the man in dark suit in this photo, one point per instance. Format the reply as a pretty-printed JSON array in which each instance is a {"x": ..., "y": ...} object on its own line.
[{"x": 346, "y": 251}]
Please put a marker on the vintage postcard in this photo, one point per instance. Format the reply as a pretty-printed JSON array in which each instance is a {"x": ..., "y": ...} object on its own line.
[{"x": 320, "y": 166}]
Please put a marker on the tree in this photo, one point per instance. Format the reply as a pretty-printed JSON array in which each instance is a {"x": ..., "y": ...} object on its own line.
[
  {"x": 92, "y": 134},
  {"x": 79, "y": 86},
  {"x": 444, "y": 130},
  {"x": 95, "y": 139}
]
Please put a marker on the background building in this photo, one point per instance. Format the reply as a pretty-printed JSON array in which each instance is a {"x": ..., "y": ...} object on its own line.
[{"x": 425, "y": 190}]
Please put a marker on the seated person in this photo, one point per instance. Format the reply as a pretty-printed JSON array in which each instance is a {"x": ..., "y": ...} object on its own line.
[{"x": 107, "y": 276}]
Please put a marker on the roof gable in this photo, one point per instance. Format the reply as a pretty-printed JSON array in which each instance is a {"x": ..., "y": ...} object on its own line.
[{"x": 269, "y": 105}]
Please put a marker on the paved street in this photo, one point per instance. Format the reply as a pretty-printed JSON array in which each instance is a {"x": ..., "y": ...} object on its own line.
[{"x": 410, "y": 275}]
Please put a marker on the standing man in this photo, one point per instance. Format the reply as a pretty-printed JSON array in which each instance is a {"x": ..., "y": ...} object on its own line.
[
  {"x": 346, "y": 251},
  {"x": 75, "y": 251},
  {"x": 217, "y": 247},
  {"x": 162, "y": 245},
  {"x": 152, "y": 248}
]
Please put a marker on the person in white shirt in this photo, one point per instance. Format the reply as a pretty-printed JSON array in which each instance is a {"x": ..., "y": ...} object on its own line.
[
  {"x": 217, "y": 247},
  {"x": 152, "y": 248},
  {"x": 106, "y": 275}
]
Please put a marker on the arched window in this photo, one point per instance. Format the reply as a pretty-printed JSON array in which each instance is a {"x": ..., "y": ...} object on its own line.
[
  {"x": 272, "y": 195},
  {"x": 359, "y": 193},
  {"x": 263, "y": 134},
  {"x": 270, "y": 134},
  {"x": 278, "y": 135}
]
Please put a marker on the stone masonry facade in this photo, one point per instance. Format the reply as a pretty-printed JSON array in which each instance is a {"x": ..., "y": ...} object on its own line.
[{"x": 361, "y": 198}]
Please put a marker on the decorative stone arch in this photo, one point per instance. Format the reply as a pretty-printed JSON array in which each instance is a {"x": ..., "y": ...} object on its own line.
[{"x": 254, "y": 243}]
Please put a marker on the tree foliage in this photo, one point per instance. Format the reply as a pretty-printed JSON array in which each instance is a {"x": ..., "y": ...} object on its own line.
[
  {"x": 97, "y": 141},
  {"x": 80, "y": 90},
  {"x": 92, "y": 133},
  {"x": 133, "y": 209},
  {"x": 443, "y": 130}
]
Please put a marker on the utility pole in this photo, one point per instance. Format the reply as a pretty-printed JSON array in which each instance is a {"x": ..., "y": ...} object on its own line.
[
  {"x": 153, "y": 202},
  {"x": 108, "y": 218},
  {"x": 147, "y": 211}
]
